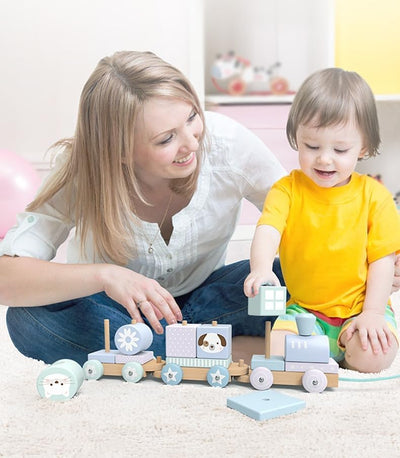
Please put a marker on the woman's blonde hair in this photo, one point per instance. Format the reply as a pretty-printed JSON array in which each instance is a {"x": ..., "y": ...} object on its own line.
[
  {"x": 98, "y": 177},
  {"x": 334, "y": 96}
]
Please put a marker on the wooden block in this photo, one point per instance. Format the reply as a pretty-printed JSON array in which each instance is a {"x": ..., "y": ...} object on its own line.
[
  {"x": 198, "y": 362},
  {"x": 307, "y": 349},
  {"x": 270, "y": 301},
  {"x": 180, "y": 340},
  {"x": 104, "y": 356},
  {"x": 214, "y": 341},
  {"x": 140, "y": 358},
  {"x": 332, "y": 367},
  {"x": 263, "y": 405},
  {"x": 274, "y": 363}
]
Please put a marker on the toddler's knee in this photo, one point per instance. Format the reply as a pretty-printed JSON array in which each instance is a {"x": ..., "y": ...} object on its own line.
[{"x": 368, "y": 362}]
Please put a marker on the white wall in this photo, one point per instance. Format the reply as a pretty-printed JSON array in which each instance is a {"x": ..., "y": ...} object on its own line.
[{"x": 48, "y": 48}]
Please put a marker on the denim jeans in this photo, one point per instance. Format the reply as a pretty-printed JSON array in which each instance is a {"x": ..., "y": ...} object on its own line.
[{"x": 74, "y": 328}]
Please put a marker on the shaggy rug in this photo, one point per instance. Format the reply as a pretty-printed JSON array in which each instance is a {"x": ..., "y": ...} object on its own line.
[{"x": 110, "y": 417}]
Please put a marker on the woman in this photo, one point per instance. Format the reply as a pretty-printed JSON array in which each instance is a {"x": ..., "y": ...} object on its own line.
[{"x": 152, "y": 187}]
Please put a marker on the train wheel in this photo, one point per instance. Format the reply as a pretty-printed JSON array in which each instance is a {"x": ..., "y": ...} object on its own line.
[
  {"x": 132, "y": 372},
  {"x": 261, "y": 378},
  {"x": 218, "y": 376},
  {"x": 314, "y": 381},
  {"x": 172, "y": 374},
  {"x": 93, "y": 369}
]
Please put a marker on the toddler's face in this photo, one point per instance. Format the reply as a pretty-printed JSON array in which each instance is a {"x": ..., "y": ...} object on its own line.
[{"x": 328, "y": 155}]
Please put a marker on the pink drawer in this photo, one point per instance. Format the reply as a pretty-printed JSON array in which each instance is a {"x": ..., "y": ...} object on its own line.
[{"x": 257, "y": 116}]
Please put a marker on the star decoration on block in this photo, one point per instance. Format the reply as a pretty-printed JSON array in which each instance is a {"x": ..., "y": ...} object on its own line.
[
  {"x": 217, "y": 377},
  {"x": 170, "y": 375}
]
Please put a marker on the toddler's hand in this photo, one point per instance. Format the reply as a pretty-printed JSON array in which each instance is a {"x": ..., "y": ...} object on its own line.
[
  {"x": 373, "y": 330},
  {"x": 254, "y": 280}
]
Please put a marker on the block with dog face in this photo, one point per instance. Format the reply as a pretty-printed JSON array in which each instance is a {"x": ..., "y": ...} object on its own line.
[{"x": 214, "y": 341}]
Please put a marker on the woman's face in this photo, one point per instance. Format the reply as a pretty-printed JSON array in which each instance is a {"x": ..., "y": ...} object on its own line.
[{"x": 167, "y": 134}]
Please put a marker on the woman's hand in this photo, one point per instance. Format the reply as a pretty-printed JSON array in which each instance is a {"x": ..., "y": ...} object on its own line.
[{"x": 140, "y": 295}]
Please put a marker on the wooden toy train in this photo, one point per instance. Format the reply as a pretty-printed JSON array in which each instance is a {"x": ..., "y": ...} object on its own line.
[{"x": 203, "y": 352}]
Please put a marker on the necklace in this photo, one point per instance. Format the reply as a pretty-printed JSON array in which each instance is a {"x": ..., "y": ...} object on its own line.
[{"x": 150, "y": 250}]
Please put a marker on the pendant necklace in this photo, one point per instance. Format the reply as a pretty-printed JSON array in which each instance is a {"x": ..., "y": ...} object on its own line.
[{"x": 150, "y": 250}]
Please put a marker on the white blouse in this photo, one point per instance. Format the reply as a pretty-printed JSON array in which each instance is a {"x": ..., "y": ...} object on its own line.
[{"x": 238, "y": 165}]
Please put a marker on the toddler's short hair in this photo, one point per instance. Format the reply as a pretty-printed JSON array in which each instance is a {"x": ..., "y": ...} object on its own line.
[{"x": 334, "y": 96}]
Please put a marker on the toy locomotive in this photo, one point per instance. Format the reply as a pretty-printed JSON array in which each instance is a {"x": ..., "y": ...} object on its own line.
[{"x": 203, "y": 352}]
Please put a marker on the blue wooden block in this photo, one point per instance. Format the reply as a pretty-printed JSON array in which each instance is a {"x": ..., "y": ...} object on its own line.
[
  {"x": 214, "y": 341},
  {"x": 104, "y": 356},
  {"x": 328, "y": 368},
  {"x": 310, "y": 349},
  {"x": 263, "y": 405},
  {"x": 270, "y": 301},
  {"x": 274, "y": 363}
]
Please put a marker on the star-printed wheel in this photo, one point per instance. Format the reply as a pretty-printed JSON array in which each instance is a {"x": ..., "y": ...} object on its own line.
[
  {"x": 218, "y": 376},
  {"x": 172, "y": 374}
]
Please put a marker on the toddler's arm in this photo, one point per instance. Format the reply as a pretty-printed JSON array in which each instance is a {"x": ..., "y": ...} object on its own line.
[
  {"x": 263, "y": 250},
  {"x": 371, "y": 323}
]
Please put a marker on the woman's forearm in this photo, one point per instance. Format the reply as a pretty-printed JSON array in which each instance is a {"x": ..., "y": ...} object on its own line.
[{"x": 31, "y": 282}]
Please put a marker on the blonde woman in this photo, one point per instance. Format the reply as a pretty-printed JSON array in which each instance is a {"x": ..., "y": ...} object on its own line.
[{"x": 152, "y": 188}]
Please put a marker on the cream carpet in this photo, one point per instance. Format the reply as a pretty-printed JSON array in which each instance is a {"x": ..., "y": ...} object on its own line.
[{"x": 110, "y": 418}]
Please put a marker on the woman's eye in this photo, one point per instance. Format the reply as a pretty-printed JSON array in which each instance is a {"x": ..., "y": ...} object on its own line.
[
  {"x": 192, "y": 116},
  {"x": 340, "y": 150},
  {"x": 167, "y": 140},
  {"x": 311, "y": 147}
]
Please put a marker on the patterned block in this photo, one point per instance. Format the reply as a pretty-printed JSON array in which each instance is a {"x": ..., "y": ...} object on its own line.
[
  {"x": 180, "y": 340},
  {"x": 104, "y": 356},
  {"x": 214, "y": 341},
  {"x": 312, "y": 349},
  {"x": 199, "y": 362},
  {"x": 328, "y": 368},
  {"x": 141, "y": 358},
  {"x": 270, "y": 301},
  {"x": 274, "y": 363}
]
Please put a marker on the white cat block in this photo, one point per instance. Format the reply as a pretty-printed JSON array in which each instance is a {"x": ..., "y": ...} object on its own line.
[{"x": 60, "y": 381}]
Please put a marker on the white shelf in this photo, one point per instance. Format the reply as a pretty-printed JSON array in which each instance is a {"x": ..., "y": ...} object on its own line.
[
  {"x": 217, "y": 99},
  {"x": 248, "y": 99}
]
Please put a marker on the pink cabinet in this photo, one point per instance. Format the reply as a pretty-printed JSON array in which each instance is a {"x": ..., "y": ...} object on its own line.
[{"x": 269, "y": 123}]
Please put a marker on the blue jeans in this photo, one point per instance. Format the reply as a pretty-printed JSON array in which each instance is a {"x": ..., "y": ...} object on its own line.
[{"x": 74, "y": 328}]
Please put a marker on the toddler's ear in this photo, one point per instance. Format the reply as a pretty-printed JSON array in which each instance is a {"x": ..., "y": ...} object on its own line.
[{"x": 363, "y": 152}]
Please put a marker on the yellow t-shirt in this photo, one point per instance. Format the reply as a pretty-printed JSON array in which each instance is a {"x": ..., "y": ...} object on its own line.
[{"x": 329, "y": 236}]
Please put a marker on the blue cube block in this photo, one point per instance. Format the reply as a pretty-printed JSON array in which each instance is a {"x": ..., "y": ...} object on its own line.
[{"x": 270, "y": 301}]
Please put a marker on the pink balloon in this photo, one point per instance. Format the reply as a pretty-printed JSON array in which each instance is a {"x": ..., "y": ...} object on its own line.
[{"x": 19, "y": 183}]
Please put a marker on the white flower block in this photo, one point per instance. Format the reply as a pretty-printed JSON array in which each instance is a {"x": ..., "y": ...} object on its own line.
[{"x": 133, "y": 338}]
